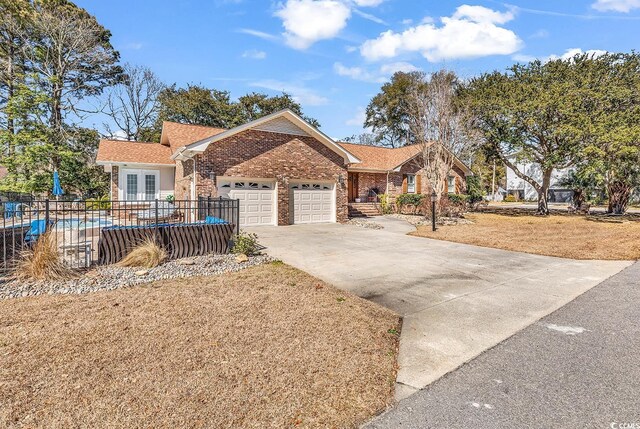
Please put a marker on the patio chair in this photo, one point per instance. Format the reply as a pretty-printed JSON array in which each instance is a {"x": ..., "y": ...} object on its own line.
[
  {"x": 38, "y": 227},
  {"x": 166, "y": 212}
]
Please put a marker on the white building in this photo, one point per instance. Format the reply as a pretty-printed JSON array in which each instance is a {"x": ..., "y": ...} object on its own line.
[{"x": 524, "y": 191}]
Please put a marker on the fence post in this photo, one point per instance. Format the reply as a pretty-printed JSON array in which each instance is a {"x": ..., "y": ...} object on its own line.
[
  {"x": 46, "y": 214},
  {"x": 156, "y": 230},
  {"x": 237, "y": 211},
  {"x": 209, "y": 205}
]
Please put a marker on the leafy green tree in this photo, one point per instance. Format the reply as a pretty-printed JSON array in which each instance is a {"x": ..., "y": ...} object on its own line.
[
  {"x": 523, "y": 116},
  {"x": 198, "y": 105},
  {"x": 388, "y": 112},
  {"x": 606, "y": 116},
  {"x": 256, "y": 105}
]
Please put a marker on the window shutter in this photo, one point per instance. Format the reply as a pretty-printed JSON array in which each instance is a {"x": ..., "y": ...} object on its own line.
[
  {"x": 404, "y": 184},
  {"x": 418, "y": 183}
]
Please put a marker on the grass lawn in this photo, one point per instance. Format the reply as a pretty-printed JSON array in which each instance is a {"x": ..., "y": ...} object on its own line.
[
  {"x": 269, "y": 346},
  {"x": 563, "y": 236}
]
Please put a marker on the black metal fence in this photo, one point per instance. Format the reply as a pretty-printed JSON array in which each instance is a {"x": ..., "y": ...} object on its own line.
[{"x": 77, "y": 226}]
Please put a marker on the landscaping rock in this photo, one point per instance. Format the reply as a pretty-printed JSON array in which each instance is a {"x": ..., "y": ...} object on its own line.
[
  {"x": 110, "y": 277},
  {"x": 362, "y": 223},
  {"x": 186, "y": 262},
  {"x": 242, "y": 258}
]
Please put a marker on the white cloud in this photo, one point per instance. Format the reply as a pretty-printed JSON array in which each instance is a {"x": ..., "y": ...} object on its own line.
[
  {"x": 134, "y": 46},
  {"x": 358, "y": 119},
  {"x": 624, "y": 6},
  {"x": 254, "y": 54},
  {"x": 567, "y": 55},
  {"x": 300, "y": 93},
  {"x": 257, "y": 33},
  {"x": 570, "y": 53},
  {"x": 400, "y": 66},
  {"x": 307, "y": 21},
  {"x": 370, "y": 17},
  {"x": 368, "y": 3},
  {"x": 378, "y": 76},
  {"x": 471, "y": 32},
  {"x": 482, "y": 14},
  {"x": 357, "y": 73}
]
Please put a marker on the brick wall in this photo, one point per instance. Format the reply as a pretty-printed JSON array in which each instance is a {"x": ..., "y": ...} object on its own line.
[
  {"x": 114, "y": 181},
  {"x": 367, "y": 181},
  {"x": 283, "y": 157}
]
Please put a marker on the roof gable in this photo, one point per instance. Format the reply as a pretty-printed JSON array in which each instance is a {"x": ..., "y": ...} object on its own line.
[
  {"x": 176, "y": 135},
  {"x": 122, "y": 151},
  {"x": 376, "y": 158},
  {"x": 284, "y": 121}
]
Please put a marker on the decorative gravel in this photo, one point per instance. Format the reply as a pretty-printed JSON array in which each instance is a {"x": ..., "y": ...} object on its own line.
[
  {"x": 418, "y": 220},
  {"x": 362, "y": 223},
  {"x": 112, "y": 277}
]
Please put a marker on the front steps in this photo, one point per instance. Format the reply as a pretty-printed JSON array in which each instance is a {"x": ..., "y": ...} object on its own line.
[{"x": 363, "y": 210}]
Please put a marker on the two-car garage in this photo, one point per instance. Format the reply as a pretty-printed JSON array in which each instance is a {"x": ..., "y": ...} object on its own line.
[{"x": 310, "y": 202}]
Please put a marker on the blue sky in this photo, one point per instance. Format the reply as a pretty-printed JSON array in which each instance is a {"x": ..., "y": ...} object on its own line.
[{"x": 333, "y": 55}]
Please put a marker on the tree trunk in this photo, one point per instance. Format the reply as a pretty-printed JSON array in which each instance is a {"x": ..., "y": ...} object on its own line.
[
  {"x": 619, "y": 194},
  {"x": 543, "y": 193}
]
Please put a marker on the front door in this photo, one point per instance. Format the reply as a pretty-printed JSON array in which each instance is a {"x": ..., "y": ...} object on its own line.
[{"x": 353, "y": 186}]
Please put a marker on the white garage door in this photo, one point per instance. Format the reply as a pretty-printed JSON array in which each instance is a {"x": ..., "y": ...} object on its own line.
[
  {"x": 257, "y": 200},
  {"x": 313, "y": 203}
]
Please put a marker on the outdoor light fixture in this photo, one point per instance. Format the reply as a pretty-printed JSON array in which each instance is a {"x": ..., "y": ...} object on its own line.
[
  {"x": 434, "y": 199},
  {"x": 341, "y": 180},
  {"x": 212, "y": 175}
]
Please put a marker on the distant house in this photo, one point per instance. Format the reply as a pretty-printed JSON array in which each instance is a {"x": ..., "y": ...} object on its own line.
[
  {"x": 523, "y": 190},
  {"x": 282, "y": 169}
]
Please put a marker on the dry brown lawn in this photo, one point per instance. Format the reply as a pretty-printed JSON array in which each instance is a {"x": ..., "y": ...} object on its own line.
[
  {"x": 268, "y": 347},
  {"x": 563, "y": 236}
]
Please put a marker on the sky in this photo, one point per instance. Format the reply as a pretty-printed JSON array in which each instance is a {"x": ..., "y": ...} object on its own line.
[{"x": 333, "y": 56}]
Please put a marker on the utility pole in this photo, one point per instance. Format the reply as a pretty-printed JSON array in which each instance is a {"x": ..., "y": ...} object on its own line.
[{"x": 493, "y": 182}]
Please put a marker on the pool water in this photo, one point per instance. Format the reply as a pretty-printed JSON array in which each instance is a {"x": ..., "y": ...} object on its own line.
[{"x": 82, "y": 224}]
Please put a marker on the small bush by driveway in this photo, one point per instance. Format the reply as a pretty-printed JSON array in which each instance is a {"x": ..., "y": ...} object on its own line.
[{"x": 269, "y": 346}]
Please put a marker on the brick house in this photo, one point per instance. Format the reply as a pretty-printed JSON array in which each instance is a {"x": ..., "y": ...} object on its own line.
[{"x": 283, "y": 170}]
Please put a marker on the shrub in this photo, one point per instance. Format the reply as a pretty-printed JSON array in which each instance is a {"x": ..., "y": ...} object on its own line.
[
  {"x": 101, "y": 203},
  {"x": 411, "y": 200},
  {"x": 147, "y": 254},
  {"x": 42, "y": 262},
  {"x": 170, "y": 198},
  {"x": 510, "y": 199},
  {"x": 453, "y": 205},
  {"x": 385, "y": 205},
  {"x": 245, "y": 243},
  {"x": 474, "y": 190}
]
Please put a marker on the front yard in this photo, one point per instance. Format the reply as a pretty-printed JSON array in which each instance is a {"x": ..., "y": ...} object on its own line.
[
  {"x": 562, "y": 236},
  {"x": 269, "y": 346}
]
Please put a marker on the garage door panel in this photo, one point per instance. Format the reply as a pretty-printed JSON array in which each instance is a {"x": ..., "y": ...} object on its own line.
[
  {"x": 257, "y": 202},
  {"x": 313, "y": 202}
]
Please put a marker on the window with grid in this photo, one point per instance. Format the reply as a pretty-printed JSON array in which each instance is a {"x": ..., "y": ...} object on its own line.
[
  {"x": 149, "y": 187},
  {"x": 132, "y": 187}
]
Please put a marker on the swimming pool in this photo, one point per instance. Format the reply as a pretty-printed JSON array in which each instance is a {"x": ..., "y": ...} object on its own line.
[{"x": 76, "y": 223}]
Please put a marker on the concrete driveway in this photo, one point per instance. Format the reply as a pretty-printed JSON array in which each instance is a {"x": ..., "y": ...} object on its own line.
[{"x": 456, "y": 300}]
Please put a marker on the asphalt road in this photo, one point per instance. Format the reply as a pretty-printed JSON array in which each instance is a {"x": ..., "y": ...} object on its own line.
[{"x": 579, "y": 367}]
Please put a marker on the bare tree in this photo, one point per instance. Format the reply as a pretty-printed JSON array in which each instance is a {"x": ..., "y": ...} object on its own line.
[
  {"x": 133, "y": 104},
  {"x": 440, "y": 126}
]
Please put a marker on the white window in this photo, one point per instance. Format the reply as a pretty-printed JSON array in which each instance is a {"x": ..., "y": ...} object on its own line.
[
  {"x": 411, "y": 183},
  {"x": 140, "y": 185},
  {"x": 451, "y": 184}
]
